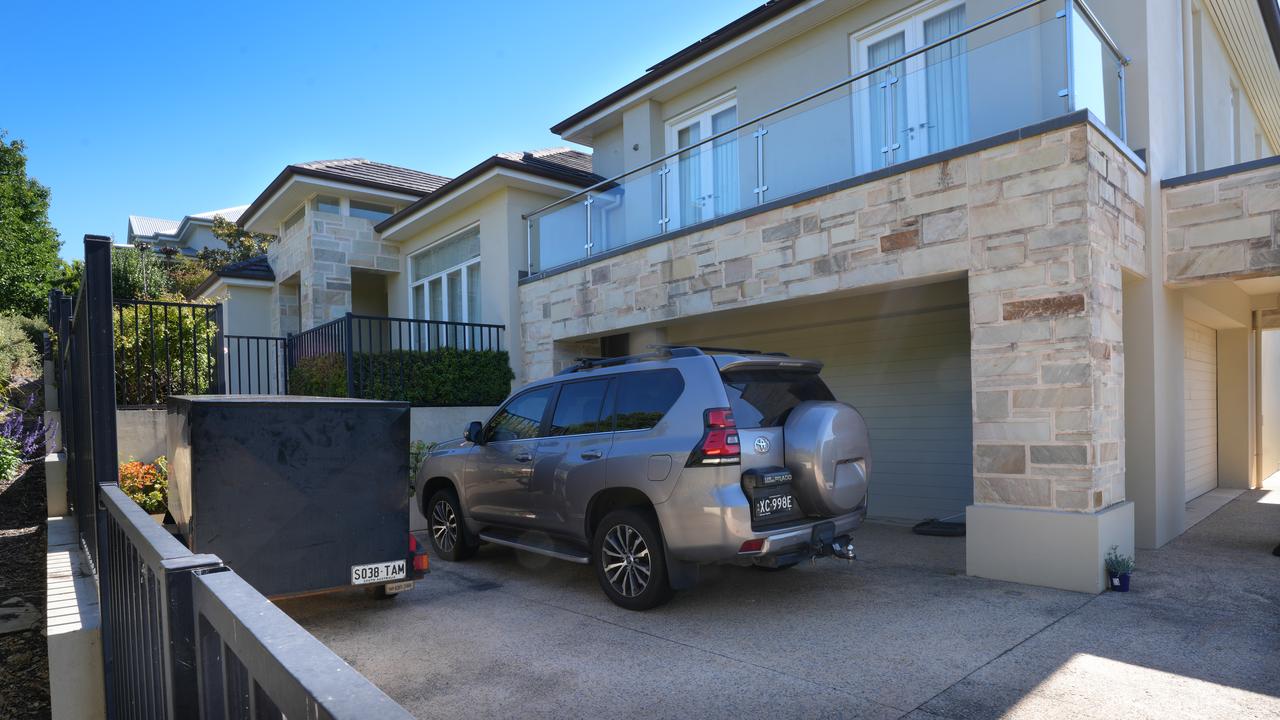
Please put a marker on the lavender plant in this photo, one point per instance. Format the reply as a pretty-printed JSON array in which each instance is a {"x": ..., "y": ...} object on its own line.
[{"x": 20, "y": 438}]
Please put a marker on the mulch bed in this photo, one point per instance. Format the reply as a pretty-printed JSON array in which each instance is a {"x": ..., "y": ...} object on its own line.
[{"x": 24, "y": 658}]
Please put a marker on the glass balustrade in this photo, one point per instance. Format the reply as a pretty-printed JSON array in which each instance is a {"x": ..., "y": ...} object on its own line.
[{"x": 1031, "y": 66}]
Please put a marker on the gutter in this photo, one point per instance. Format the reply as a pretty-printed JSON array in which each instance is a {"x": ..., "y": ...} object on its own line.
[{"x": 1271, "y": 19}]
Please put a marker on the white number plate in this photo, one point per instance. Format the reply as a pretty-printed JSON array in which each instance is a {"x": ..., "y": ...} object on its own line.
[{"x": 377, "y": 572}]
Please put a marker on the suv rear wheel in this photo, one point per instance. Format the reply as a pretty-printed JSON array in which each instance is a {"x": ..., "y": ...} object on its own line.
[
  {"x": 630, "y": 562},
  {"x": 444, "y": 524}
]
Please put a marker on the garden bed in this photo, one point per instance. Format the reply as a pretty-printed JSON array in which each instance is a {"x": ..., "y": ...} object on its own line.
[{"x": 24, "y": 662}]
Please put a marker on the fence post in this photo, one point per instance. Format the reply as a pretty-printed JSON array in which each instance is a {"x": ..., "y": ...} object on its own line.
[
  {"x": 101, "y": 393},
  {"x": 219, "y": 352},
  {"x": 351, "y": 378},
  {"x": 288, "y": 361}
]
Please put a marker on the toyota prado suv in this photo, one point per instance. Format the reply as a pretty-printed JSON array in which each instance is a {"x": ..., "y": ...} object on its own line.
[{"x": 648, "y": 466}]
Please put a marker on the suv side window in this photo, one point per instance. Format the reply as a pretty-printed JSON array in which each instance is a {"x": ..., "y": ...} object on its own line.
[
  {"x": 579, "y": 408},
  {"x": 643, "y": 398},
  {"x": 520, "y": 419}
]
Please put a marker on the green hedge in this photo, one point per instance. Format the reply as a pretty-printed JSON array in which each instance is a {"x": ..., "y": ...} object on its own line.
[{"x": 443, "y": 377}]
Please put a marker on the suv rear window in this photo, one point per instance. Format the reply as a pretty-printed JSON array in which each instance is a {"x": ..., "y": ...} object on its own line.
[
  {"x": 643, "y": 398},
  {"x": 764, "y": 398}
]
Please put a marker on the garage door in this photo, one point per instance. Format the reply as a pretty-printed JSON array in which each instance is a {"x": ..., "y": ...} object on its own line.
[
  {"x": 1200, "y": 388},
  {"x": 909, "y": 376}
]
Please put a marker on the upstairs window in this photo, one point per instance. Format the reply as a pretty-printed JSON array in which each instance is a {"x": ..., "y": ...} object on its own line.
[
  {"x": 371, "y": 211},
  {"x": 327, "y": 204},
  {"x": 294, "y": 220},
  {"x": 445, "y": 279}
]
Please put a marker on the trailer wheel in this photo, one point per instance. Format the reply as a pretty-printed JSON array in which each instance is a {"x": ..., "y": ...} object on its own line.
[{"x": 444, "y": 525}]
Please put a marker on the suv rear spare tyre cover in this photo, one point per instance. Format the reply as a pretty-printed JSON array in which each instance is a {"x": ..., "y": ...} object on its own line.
[{"x": 828, "y": 451}]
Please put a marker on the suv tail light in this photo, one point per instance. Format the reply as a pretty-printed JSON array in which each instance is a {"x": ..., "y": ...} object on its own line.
[{"x": 719, "y": 444}]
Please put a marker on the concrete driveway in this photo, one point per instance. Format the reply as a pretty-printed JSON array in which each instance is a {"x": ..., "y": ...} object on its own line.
[{"x": 901, "y": 632}]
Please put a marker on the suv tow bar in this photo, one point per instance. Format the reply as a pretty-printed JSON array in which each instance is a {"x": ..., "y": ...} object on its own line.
[{"x": 823, "y": 543}]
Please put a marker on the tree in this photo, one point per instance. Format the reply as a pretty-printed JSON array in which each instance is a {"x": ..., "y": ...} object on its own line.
[
  {"x": 69, "y": 276},
  {"x": 241, "y": 245},
  {"x": 137, "y": 273},
  {"x": 28, "y": 243}
]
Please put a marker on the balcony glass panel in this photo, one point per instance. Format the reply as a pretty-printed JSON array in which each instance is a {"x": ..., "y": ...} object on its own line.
[
  {"x": 917, "y": 102},
  {"x": 1095, "y": 74}
]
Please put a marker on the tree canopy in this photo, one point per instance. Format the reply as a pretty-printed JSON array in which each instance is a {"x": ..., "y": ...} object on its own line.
[{"x": 29, "y": 245}]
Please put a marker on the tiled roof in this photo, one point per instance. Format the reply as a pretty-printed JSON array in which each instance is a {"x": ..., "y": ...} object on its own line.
[
  {"x": 255, "y": 268},
  {"x": 560, "y": 160},
  {"x": 361, "y": 171},
  {"x": 560, "y": 163},
  {"x": 143, "y": 226}
]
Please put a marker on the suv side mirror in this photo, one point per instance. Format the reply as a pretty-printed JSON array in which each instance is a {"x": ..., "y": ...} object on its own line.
[{"x": 473, "y": 432}]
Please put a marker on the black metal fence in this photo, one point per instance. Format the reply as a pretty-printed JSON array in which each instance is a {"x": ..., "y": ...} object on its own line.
[
  {"x": 255, "y": 365},
  {"x": 183, "y": 636},
  {"x": 375, "y": 357},
  {"x": 165, "y": 348}
]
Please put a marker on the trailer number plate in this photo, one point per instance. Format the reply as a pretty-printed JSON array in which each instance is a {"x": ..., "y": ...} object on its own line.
[{"x": 377, "y": 572}]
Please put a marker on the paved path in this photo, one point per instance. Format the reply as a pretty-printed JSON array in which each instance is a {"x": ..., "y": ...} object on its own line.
[{"x": 901, "y": 632}]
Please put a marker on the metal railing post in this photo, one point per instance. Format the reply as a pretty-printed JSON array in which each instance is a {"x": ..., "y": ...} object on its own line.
[
  {"x": 350, "y": 354},
  {"x": 760, "y": 188},
  {"x": 219, "y": 352},
  {"x": 587, "y": 204}
]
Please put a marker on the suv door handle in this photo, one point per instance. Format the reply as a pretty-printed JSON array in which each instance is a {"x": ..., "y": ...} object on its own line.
[
  {"x": 592, "y": 455},
  {"x": 523, "y": 457}
]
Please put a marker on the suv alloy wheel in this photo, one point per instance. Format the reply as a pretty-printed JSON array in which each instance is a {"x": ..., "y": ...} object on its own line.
[
  {"x": 630, "y": 561},
  {"x": 444, "y": 525}
]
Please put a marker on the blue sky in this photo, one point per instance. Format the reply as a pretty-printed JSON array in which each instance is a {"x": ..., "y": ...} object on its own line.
[{"x": 165, "y": 109}]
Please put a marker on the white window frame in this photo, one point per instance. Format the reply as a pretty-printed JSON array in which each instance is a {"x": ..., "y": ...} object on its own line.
[
  {"x": 702, "y": 115},
  {"x": 470, "y": 314},
  {"x": 910, "y": 23}
]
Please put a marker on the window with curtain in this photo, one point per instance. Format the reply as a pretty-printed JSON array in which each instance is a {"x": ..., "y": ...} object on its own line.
[
  {"x": 946, "y": 82},
  {"x": 921, "y": 104},
  {"x": 445, "y": 285},
  {"x": 706, "y": 182}
]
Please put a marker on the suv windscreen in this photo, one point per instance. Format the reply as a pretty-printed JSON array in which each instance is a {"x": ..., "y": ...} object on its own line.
[
  {"x": 643, "y": 398},
  {"x": 521, "y": 419},
  {"x": 764, "y": 398}
]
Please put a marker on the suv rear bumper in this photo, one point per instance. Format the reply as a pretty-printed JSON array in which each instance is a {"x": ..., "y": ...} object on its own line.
[{"x": 713, "y": 529}]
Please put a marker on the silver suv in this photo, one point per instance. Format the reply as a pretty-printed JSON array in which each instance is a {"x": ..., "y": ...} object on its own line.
[{"x": 652, "y": 465}]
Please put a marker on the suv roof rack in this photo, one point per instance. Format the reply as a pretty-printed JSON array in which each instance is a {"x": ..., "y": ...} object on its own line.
[
  {"x": 661, "y": 351},
  {"x": 713, "y": 349}
]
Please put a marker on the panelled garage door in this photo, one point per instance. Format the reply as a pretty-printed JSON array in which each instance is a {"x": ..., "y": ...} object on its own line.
[
  {"x": 909, "y": 376},
  {"x": 1200, "y": 388}
]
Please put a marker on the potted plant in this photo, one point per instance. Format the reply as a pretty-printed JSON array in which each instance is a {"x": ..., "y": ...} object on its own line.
[
  {"x": 1119, "y": 568},
  {"x": 147, "y": 484}
]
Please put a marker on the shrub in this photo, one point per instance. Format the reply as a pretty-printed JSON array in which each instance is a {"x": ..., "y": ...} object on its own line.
[
  {"x": 10, "y": 458},
  {"x": 430, "y": 378},
  {"x": 19, "y": 357},
  {"x": 160, "y": 354},
  {"x": 147, "y": 484}
]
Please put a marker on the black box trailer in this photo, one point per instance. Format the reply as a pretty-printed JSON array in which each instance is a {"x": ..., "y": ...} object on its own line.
[{"x": 296, "y": 494}]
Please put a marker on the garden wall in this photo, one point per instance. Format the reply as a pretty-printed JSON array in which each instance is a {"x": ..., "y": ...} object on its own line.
[{"x": 141, "y": 435}]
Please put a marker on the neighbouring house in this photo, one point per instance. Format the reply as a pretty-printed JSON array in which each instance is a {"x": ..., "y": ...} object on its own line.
[
  {"x": 1035, "y": 244},
  {"x": 438, "y": 258},
  {"x": 188, "y": 236}
]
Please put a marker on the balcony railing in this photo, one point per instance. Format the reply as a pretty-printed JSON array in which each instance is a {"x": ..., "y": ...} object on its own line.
[{"x": 1033, "y": 62}]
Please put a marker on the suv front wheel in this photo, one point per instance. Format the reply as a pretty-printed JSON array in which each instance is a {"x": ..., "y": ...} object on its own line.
[
  {"x": 444, "y": 525},
  {"x": 630, "y": 562}
]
